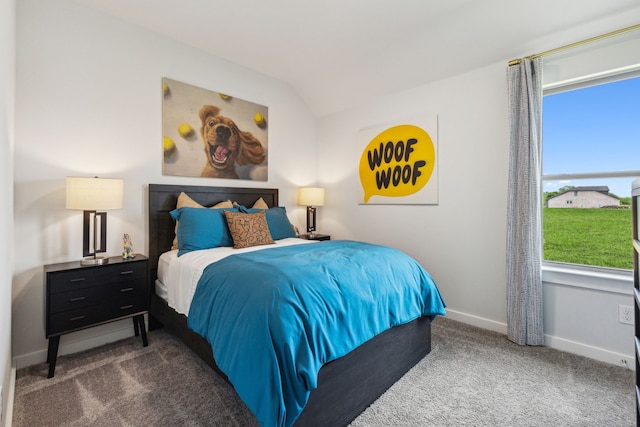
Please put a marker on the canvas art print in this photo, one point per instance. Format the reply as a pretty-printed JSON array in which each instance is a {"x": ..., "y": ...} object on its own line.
[
  {"x": 399, "y": 163},
  {"x": 212, "y": 135}
]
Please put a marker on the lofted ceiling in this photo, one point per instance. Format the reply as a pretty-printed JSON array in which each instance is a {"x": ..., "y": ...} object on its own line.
[{"x": 340, "y": 53}]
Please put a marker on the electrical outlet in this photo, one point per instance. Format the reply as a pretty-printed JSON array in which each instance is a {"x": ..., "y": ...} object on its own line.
[{"x": 625, "y": 314}]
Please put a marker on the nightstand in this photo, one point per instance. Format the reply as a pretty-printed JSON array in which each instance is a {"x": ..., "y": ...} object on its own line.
[
  {"x": 315, "y": 236},
  {"x": 81, "y": 296}
]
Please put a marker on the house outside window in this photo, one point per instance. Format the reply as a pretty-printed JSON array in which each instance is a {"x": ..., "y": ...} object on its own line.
[{"x": 584, "y": 197}]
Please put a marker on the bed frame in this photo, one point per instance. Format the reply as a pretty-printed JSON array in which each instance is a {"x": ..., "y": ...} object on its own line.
[{"x": 346, "y": 386}]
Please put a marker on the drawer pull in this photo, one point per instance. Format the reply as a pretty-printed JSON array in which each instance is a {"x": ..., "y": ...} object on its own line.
[
  {"x": 126, "y": 307},
  {"x": 77, "y": 318},
  {"x": 79, "y": 279},
  {"x": 77, "y": 299},
  {"x": 126, "y": 289},
  {"x": 126, "y": 272}
]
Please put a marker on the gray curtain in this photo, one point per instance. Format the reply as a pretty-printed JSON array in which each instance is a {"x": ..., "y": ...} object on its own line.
[{"x": 524, "y": 221}]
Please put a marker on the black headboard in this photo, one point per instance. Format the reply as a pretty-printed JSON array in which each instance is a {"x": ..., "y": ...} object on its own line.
[{"x": 163, "y": 198}]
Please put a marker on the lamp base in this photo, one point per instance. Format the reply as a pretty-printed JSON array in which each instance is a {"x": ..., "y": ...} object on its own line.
[{"x": 94, "y": 261}]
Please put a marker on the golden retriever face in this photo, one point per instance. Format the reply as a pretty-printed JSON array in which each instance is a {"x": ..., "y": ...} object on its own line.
[{"x": 225, "y": 145}]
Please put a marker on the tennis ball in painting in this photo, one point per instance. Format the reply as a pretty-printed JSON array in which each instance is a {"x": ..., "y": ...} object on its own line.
[
  {"x": 185, "y": 130},
  {"x": 165, "y": 89},
  {"x": 224, "y": 97},
  {"x": 169, "y": 147},
  {"x": 260, "y": 120}
]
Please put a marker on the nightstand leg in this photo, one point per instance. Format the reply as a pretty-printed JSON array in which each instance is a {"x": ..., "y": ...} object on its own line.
[
  {"x": 52, "y": 354},
  {"x": 136, "y": 329},
  {"x": 143, "y": 330}
]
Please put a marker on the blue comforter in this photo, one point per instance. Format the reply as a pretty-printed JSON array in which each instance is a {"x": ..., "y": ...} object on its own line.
[{"x": 275, "y": 316}]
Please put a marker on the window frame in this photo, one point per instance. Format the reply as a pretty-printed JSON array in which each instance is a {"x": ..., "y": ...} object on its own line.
[{"x": 554, "y": 271}]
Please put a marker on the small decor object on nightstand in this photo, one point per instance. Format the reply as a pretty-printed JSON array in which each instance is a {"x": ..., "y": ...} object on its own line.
[{"x": 127, "y": 248}]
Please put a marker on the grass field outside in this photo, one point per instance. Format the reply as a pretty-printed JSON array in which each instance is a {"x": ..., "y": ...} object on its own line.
[{"x": 597, "y": 237}]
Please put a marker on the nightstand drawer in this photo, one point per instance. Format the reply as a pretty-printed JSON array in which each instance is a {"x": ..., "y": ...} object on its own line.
[
  {"x": 130, "y": 290},
  {"x": 76, "y": 319},
  {"x": 78, "y": 298},
  {"x": 71, "y": 280},
  {"x": 87, "y": 316},
  {"x": 126, "y": 271}
]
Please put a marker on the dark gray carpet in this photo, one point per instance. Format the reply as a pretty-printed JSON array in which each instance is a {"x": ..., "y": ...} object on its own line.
[{"x": 472, "y": 377}]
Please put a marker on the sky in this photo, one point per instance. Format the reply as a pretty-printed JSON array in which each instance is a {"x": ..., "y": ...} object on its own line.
[{"x": 593, "y": 129}]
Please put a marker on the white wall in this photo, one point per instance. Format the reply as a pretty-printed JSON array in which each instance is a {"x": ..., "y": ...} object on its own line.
[
  {"x": 7, "y": 67},
  {"x": 581, "y": 312},
  {"x": 89, "y": 99},
  {"x": 461, "y": 241}
]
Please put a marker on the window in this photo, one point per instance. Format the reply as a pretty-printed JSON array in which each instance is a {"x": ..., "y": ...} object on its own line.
[{"x": 591, "y": 154}]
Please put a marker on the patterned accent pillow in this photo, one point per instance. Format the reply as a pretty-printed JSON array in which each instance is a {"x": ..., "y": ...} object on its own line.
[{"x": 248, "y": 229}]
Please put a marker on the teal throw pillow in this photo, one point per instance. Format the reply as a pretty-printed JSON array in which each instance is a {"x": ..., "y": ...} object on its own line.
[
  {"x": 279, "y": 225},
  {"x": 201, "y": 228}
]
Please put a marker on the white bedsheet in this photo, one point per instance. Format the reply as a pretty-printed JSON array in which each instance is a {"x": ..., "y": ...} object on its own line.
[{"x": 179, "y": 276}]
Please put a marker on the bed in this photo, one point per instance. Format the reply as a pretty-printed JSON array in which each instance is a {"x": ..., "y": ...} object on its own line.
[{"x": 345, "y": 386}]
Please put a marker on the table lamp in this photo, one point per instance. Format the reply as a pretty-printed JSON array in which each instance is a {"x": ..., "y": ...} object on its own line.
[
  {"x": 311, "y": 197},
  {"x": 91, "y": 195}
]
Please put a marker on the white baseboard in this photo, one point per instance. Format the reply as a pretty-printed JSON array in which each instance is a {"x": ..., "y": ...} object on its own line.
[
  {"x": 600, "y": 354},
  {"x": 71, "y": 344},
  {"x": 480, "y": 322},
  {"x": 562, "y": 344}
]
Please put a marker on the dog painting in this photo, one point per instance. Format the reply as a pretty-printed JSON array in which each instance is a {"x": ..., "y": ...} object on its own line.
[
  {"x": 225, "y": 145},
  {"x": 212, "y": 135}
]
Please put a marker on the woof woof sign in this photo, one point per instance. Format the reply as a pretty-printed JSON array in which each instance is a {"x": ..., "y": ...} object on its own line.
[{"x": 397, "y": 167}]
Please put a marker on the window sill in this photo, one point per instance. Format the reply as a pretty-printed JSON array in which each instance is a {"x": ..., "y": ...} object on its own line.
[{"x": 587, "y": 277}]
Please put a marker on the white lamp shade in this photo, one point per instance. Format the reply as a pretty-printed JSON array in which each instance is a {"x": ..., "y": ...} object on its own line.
[
  {"x": 311, "y": 196},
  {"x": 94, "y": 194}
]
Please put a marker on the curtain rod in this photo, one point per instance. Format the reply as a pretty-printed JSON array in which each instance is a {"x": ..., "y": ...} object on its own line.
[{"x": 576, "y": 44}]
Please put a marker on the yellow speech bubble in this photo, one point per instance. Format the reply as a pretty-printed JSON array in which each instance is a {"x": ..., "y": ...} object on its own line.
[{"x": 398, "y": 162}]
